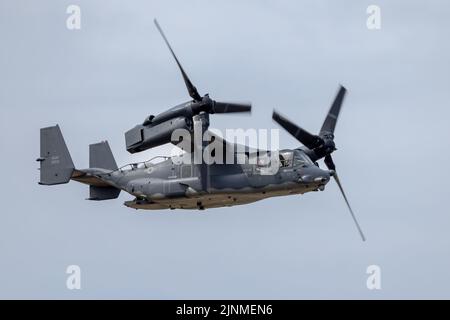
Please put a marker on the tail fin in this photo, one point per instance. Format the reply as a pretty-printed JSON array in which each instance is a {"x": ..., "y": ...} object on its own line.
[
  {"x": 56, "y": 163},
  {"x": 100, "y": 156},
  {"x": 57, "y": 166}
]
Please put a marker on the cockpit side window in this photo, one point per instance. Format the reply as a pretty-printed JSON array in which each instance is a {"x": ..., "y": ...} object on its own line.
[
  {"x": 301, "y": 159},
  {"x": 286, "y": 159},
  {"x": 298, "y": 161}
]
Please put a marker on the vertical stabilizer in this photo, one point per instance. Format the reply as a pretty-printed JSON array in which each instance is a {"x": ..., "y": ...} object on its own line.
[
  {"x": 100, "y": 156},
  {"x": 56, "y": 163}
]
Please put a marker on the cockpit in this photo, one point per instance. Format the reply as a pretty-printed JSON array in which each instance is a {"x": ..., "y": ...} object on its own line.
[
  {"x": 296, "y": 158},
  {"x": 286, "y": 158}
]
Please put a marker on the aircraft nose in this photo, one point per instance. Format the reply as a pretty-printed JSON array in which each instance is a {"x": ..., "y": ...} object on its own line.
[
  {"x": 322, "y": 179},
  {"x": 316, "y": 175}
]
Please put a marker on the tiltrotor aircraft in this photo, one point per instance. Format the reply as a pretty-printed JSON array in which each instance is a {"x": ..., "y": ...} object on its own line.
[{"x": 167, "y": 184}]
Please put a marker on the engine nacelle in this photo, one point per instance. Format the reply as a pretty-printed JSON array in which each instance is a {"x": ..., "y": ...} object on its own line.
[{"x": 143, "y": 137}]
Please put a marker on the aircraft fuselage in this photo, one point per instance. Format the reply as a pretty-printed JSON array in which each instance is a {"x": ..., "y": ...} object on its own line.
[{"x": 168, "y": 185}]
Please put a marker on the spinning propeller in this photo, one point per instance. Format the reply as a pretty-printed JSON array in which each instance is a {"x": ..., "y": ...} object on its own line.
[
  {"x": 201, "y": 103},
  {"x": 322, "y": 145}
]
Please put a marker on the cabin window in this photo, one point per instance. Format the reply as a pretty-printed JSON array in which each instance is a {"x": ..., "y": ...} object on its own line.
[{"x": 263, "y": 161}]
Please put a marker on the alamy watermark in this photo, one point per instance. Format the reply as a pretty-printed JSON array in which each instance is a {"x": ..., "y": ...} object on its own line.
[
  {"x": 373, "y": 281},
  {"x": 214, "y": 147},
  {"x": 73, "y": 281},
  {"x": 73, "y": 21},
  {"x": 374, "y": 19}
]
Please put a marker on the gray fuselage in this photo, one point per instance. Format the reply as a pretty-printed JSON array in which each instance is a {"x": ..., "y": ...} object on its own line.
[{"x": 168, "y": 185}]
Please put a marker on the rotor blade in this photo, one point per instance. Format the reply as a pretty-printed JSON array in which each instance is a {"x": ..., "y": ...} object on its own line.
[
  {"x": 329, "y": 162},
  {"x": 330, "y": 121},
  {"x": 309, "y": 140},
  {"x": 191, "y": 88},
  {"x": 330, "y": 165},
  {"x": 231, "y": 107},
  {"x": 350, "y": 208}
]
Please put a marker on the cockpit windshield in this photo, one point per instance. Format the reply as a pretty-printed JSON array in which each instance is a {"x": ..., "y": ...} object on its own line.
[{"x": 301, "y": 159}]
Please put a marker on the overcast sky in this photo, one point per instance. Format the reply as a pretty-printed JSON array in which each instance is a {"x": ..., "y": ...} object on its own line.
[{"x": 98, "y": 82}]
